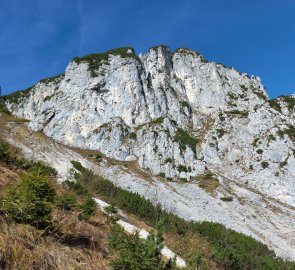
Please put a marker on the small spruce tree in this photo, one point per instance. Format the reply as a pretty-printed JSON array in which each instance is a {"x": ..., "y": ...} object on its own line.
[
  {"x": 30, "y": 200},
  {"x": 87, "y": 207}
]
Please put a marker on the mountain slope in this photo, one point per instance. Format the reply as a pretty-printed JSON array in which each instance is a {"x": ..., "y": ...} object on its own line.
[
  {"x": 181, "y": 118},
  {"x": 219, "y": 246}
]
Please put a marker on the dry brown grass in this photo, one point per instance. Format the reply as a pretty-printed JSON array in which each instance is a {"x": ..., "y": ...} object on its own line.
[
  {"x": 9, "y": 123},
  {"x": 209, "y": 185},
  {"x": 132, "y": 166},
  {"x": 191, "y": 242},
  {"x": 7, "y": 176},
  {"x": 208, "y": 182},
  {"x": 139, "y": 223},
  {"x": 91, "y": 235},
  {"x": 184, "y": 244},
  {"x": 128, "y": 166},
  {"x": 73, "y": 245}
]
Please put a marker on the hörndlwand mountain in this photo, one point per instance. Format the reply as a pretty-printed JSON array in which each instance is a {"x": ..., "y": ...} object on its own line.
[{"x": 182, "y": 119}]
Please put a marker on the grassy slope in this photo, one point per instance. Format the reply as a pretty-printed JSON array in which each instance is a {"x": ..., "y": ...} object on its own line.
[
  {"x": 70, "y": 244},
  {"x": 222, "y": 248}
]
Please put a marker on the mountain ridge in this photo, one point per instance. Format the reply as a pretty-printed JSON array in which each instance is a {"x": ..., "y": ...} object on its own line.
[
  {"x": 230, "y": 94},
  {"x": 185, "y": 121}
]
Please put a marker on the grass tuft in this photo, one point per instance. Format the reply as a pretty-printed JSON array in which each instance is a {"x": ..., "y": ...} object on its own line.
[{"x": 185, "y": 140}]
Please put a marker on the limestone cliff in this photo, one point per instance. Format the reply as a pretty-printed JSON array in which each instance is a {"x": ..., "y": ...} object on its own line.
[{"x": 175, "y": 113}]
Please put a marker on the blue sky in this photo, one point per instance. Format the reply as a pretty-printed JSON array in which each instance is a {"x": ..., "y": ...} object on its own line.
[{"x": 38, "y": 38}]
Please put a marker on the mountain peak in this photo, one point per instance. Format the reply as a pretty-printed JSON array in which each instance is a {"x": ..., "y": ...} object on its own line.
[
  {"x": 177, "y": 117},
  {"x": 168, "y": 106}
]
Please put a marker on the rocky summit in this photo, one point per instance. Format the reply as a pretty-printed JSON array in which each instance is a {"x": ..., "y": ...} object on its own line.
[{"x": 179, "y": 117}]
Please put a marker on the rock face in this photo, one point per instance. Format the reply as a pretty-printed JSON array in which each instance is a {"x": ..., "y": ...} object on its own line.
[{"x": 175, "y": 113}]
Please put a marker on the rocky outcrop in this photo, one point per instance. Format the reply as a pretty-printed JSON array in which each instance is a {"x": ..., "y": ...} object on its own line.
[{"x": 175, "y": 113}]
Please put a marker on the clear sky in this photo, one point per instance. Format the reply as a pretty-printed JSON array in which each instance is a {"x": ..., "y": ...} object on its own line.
[{"x": 39, "y": 37}]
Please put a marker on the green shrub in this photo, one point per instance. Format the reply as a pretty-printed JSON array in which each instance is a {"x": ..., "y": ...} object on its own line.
[
  {"x": 78, "y": 166},
  {"x": 159, "y": 46},
  {"x": 185, "y": 140},
  {"x": 233, "y": 96},
  {"x": 116, "y": 237},
  {"x": 240, "y": 113},
  {"x": 255, "y": 141},
  {"x": 290, "y": 131},
  {"x": 7, "y": 158},
  {"x": 182, "y": 168},
  {"x": 168, "y": 160},
  {"x": 3, "y": 108},
  {"x": 185, "y": 104},
  {"x": 4, "y": 151},
  {"x": 136, "y": 253},
  {"x": 271, "y": 137},
  {"x": 157, "y": 121},
  {"x": 289, "y": 100},
  {"x": 87, "y": 208},
  {"x": 30, "y": 200},
  {"x": 258, "y": 93},
  {"x": 208, "y": 176},
  {"x": 236, "y": 251},
  {"x": 111, "y": 209},
  {"x": 98, "y": 157},
  {"x": 197, "y": 261},
  {"x": 40, "y": 168},
  {"x": 226, "y": 199},
  {"x": 220, "y": 132},
  {"x": 244, "y": 88},
  {"x": 259, "y": 151},
  {"x": 18, "y": 96},
  {"x": 76, "y": 187},
  {"x": 67, "y": 201},
  {"x": 283, "y": 163},
  {"x": 273, "y": 103},
  {"x": 56, "y": 78},
  {"x": 48, "y": 98},
  {"x": 281, "y": 133},
  {"x": 264, "y": 164},
  {"x": 132, "y": 135},
  {"x": 163, "y": 175}
]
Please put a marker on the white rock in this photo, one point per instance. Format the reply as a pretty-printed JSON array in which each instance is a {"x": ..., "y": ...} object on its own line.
[
  {"x": 130, "y": 158},
  {"x": 137, "y": 106}
]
